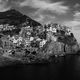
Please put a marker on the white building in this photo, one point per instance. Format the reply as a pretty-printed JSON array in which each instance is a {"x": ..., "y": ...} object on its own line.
[
  {"x": 31, "y": 38},
  {"x": 53, "y": 38},
  {"x": 53, "y": 29},
  {"x": 43, "y": 42}
]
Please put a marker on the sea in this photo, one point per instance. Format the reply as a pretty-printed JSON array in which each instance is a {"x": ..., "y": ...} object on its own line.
[{"x": 62, "y": 68}]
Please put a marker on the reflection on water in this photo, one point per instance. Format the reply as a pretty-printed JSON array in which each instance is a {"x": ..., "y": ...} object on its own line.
[{"x": 67, "y": 68}]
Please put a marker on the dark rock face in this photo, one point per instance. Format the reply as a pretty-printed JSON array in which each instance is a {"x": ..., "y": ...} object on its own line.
[
  {"x": 14, "y": 17},
  {"x": 11, "y": 17},
  {"x": 27, "y": 41}
]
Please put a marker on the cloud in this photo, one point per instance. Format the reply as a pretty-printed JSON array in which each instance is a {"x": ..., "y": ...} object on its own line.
[
  {"x": 39, "y": 18},
  {"x": 44, "y": 19},
  {"x": 44, "y": 6},
  {"x": 76, "y": 20},
  {"x": 56, "y": 7},
  {"x": 77, "y": 5},
  {"x": 77, "y": 16},
  {"x": 72, "y": 23},
  {"x": 3, "y": 5}
]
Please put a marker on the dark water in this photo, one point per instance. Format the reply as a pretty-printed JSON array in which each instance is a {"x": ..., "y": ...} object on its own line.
[{"x": 65, "y": 68}]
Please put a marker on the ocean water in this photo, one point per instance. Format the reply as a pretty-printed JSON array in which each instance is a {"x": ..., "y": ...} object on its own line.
[{"x": 64, "y": 68}]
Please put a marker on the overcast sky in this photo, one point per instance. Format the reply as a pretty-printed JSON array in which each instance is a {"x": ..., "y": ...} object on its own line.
[{"x": 65, "y": 12}]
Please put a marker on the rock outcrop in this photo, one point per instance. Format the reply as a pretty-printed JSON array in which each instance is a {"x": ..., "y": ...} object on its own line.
[{"x": 64, "y": 39}]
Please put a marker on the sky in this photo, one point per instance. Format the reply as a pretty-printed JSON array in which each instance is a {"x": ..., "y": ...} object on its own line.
[{"x": 65, "y": 12}]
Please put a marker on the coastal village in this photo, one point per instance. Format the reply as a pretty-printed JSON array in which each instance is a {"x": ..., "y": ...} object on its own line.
[
  {"x": 35, "y": 41},
  {"x": 6, "y": 27},
  {"x": 24, "y": 38}
]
